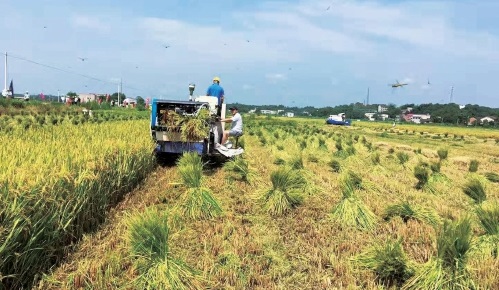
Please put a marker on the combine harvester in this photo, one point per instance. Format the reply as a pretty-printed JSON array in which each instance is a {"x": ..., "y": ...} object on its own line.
[
  {"x": 339, "y": 119},
  {"x": 189, "y": 126}
]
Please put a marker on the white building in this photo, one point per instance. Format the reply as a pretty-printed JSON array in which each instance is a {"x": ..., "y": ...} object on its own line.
[
  {"x": 384, "y": 116},
  {"x": 370, "y": 116},
  {"x": 487, "y": 120},
  {"x": 420, "y": 118},
  {"x": 268, "y": 112},
  {"x": 84, "y": 98},
  {"x": 382, "y": 108},
  {"x": 290, "y": 114}
]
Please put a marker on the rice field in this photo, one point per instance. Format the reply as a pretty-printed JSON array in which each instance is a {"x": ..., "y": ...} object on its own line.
[
  {"x": 58, "y": 182},
  {"x": 309, "y": 206}
]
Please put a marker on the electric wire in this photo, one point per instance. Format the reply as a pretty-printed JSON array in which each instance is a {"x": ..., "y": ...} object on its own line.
[{"x": 72, "y": 72}]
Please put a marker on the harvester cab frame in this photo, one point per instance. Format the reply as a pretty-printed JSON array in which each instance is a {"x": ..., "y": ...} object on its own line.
[{"x": 168, "y": 138}]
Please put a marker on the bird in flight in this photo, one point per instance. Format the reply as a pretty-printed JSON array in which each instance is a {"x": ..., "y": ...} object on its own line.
[
  {"x": 247, "y": 40},
  {"x": 429, "y": 82},
  {"x": 82, "y": 58},
  {"x": 45, "y": 27},
  {"x": 328, "y": 8},
  {"x": 166, "y": 46}
]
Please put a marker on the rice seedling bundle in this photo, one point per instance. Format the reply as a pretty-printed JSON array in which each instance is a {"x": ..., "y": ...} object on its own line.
[
  {"x": 403, "y": 157},
  {"x": 197, "y": 200},
  {"x": 388, "y": 261},
  {"x": 473, "y": 167},
  {"x": 442, "y": 154},
  {"x": 350, "y": 211},
  {"x": 240, "y": 167},
  {"x": 407, "y": 211},
  {"x": 57, "y": 183},
  {"x": 488, "y": 216},
  {"x": 475, "y": 190},
  {"x": 492, "y": 177},
  {"x": 448, "y": 269},
  {"x": 196, "y": 127},
  {"x": 158, "y": 268},
  {"x": 286, "y": 192}
]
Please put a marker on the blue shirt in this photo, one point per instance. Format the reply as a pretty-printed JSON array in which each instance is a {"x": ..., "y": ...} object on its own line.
[{"x": 215, "y": 90}]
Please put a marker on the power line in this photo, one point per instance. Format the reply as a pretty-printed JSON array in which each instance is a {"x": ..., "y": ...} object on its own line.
[{"x": 70, "y": 72}]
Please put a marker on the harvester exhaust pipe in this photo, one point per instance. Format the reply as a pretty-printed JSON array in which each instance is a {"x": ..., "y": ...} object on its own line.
[{"x": 191, "y": 91}]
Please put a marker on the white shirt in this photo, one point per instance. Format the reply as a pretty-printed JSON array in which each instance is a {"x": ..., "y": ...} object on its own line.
[{"x": 237, "y": 123}]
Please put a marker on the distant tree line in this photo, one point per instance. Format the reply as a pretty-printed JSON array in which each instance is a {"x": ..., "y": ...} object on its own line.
[{"x": 440, "y": 113}]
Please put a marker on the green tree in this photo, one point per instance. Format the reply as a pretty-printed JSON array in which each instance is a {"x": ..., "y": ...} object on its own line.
[
  {"x": 115, "y": 96},
  {"x": 71, "y": 94},
  {"x": 140, "y": 101},
  {"x": 393, "y": 111}
]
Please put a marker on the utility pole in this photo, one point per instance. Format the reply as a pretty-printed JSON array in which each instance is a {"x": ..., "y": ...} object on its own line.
[
  {"x": 4, "y": 92},
  {"x": 368, "y": 96},
  {"x": 5, "y": 87},
  {"x": 451, "y": 93},
  {"x": 119, "y": 91},
  {"x": 58, "y": 96}
]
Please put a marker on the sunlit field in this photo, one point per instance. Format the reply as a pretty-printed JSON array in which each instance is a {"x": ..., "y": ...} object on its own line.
[
  {"x": 57, "y": 181},
  {"x": 310, "y": 206}
]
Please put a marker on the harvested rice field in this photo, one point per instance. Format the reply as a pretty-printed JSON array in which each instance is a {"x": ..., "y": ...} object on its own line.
[{"x": 308, "y": 206}]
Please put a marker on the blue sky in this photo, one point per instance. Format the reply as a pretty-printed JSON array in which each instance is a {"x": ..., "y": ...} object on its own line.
[{"x": 299, "y": 53}]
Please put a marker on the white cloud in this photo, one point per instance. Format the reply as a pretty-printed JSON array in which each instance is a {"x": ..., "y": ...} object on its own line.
[
  {"x": 199, "y": 40},
  {"x": 408, "y": 81},
  {"x": 275, "y": 77},
  {"x": 425, "y": 87},
  {"x": 90, "y": 22}
]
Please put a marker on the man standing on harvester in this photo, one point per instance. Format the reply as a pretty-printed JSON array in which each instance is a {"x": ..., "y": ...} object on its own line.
[{"x": 215, "y": 90}]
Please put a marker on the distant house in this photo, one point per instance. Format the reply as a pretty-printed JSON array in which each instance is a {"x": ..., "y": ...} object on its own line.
[
  {"x": 268, "y": 112},
  {"x": 382, "y": 108},
  {"x": 371, "y": 116},
  {"x": 91, "y": 97},
  {"x": 85, "y": 98},
  {"x": 129, "y": 102},
  {"x": 421, "y": 118},
  {"x": 383, "y": 116},
  {"x": 290, "y": 114},
  {"x": 487, "y": 120},
  {"x": 252, "y": 111},
  {"x": 472, "y": 121},
  {"x": 407, "y": 116},
  {"x": 416, "y": 118}
]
